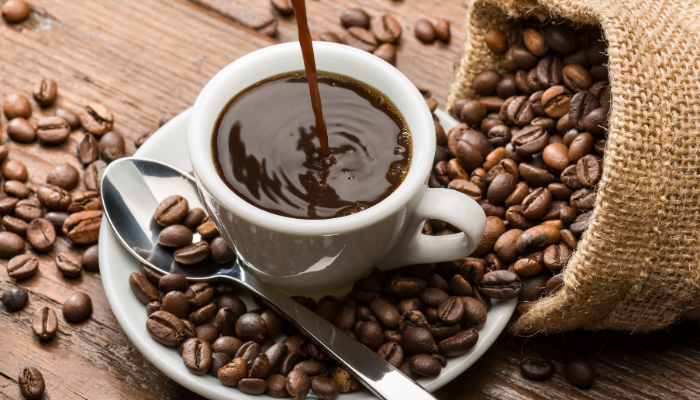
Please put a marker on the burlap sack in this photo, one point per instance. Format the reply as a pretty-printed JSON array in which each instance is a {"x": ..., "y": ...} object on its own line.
[{"x": 637, "y": 268}]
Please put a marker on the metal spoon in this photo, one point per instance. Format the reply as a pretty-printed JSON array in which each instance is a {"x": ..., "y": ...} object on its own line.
[{"x": 132, "y": 188}]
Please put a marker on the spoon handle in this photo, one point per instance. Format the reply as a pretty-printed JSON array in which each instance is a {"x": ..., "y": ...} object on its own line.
[{"x": 380, "y": 377}]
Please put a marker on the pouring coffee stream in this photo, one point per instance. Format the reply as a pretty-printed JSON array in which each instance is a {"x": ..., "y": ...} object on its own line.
[{"x": 307, "y": 51}]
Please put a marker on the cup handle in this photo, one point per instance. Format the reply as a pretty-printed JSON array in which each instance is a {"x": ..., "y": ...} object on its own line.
[{"x": 447, "y": 205}]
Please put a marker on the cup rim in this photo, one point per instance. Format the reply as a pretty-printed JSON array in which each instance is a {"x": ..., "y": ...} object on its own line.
[{"x": 285, "y": 57}]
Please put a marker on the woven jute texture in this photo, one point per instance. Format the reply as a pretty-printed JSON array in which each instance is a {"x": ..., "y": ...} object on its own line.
[{"x": 637, "y": 267}]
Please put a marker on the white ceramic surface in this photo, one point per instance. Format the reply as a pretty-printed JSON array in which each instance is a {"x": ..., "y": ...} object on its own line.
[
  {"x": 309, "y": 256},
  {"x": 169, "y": 144}
]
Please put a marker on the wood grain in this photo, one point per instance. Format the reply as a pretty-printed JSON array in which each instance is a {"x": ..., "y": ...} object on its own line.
[{"x": 144, "y": 59}]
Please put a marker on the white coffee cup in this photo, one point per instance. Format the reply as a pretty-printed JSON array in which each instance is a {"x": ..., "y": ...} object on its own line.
[{"x": 321, "y": 255}]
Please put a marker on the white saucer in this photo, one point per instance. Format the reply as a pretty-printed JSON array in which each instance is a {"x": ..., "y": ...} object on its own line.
[{"x": 169, "y": 144}]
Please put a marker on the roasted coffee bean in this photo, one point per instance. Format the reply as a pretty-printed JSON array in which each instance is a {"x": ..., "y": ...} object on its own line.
[
  {"x": 298, "y": 384},
  {"x": 516, "y": 198},
  {"x": 172, "y": 210},
  {"x": 581, "y": 146},
  {"x": 176, "y": 303},
  {"x": 150, "y": 274},
  {"x": 556, "y": 256},
  {"x": 523, "y": 83},
  {"x": 496, "y": 40},
  {"x": 45, "y": 323},
  {"x": 196, "y": 355},
  {"x": 202, "y": 315},
  {"x": 327, "y": 307},
  {"x": 260, "y": 367},
  {"x": 425, "y": 365},
  {"x": 276, "y": 353},
  {"x": 45, "y": 92},
  {"x": 53, "y": 198},
  {"x": 173, "y": 282},
  {"x": 70, "y": 117},
  {"x": 523, "y": 58},
  {"x": 556, "y": 101},
  {"x": 459, "y": 344},
  {"x": 387, "y": 52},
  {"x": 64, "y": 176},
  {"x": 392, "y": 353},
  {"x": 15, "y": 298},
  {"x": 475, "y": 313},
  {"x": 324, "y": 388},
  {"x": 412, "y": 319},
  {"x": 31, "y": 382},
  {"x": 276, "y": 386},
  {"x": 20, "y": 130},
  {"x": 366, "y": 290},
  {"x": 360, "y": 38},
  {"x": 528, "y": 266},
  {"x": 583, "y": 199},
  {"x": 499, "y": 135},
  {"x": 207, "y": 228},
  {"x": 192, "y": 219},
  {"x": 88, "y": 150},
  {"x": 535, "y": 176},
  {"x": 485, "y": 82},
  {"x": 199, "y": 294},
  {"x": 578, "y": 370},
  {"x": 501, "y": 187},
  {"x": 500, "y": 285},
  {"x": 22, "y": 266},
  {"x": 530, "y": 140},
  {"x": 232, "y": 373},
  {"x": 11, "y": 244},
  {"x": 355, "y": 17},
  {"x": 460, "y": 286},
  {"x": 595, "y": 121},
  {"x": 370, "y": 334},
  {"x": 577, "y": 78},
  {"x": 588, "y": 171},
  {"x": 549, "y": 72},
  {"x": 226, "y": 321},
  {"x": 288, "y": 363},
  {"x": 78, "y": 307},
  {"x": 93, "y": 175},
  {"x": 537, "y": 203},
  {"x": 385, "y": 312},
  {"x": 466, "y": 187},
  {"x": 175, "y": 236},
  {"x": 516, "y": 218},
  {"x": 346, "y": 317},
  {"x": 14, "y": 170},
  {"x": 41, "y": 234},
  {"x": 153, "y": 307},
  {"x": 15, "y": 225},
  {"x": 450, "y": 310},
  {"x": 386, "y": 28},
  {"x": 69, "y": 265},
  {"x": 83, "y": 227},
  {"x": 455, "y": 171},
  {"x": 143, "y": 289},
  {"x": 519, "y": 111},
  {"x": 193, "y": 253},
  {"x": 96, "y": 119},
  {"x": 442, "y": 30},
  {"x": 505, "y": 246},
  {"x": 561, "y": 39},
  {"x": 407, "y": 287},
  {"x": 554, "y": 284},
  {"x": 311, "y": 367},
  {"x": 410, "y": 304},
  {"x": 52, "y": 130},
  {"x": 534, "y": 41},
  {"x": 536, "y": 367},
  {"x": 28, "y": 209},
  {"x": 580, "y": 224},
  {"x": 425, "y": 31},
  {"x": 533, "y": 288},
  {"x": 537, "y": 238},
  {"x": 417, "y": 341},
  {"x": 111, "y": 146},
  {"x": 228, "y": 345},
  {"x": 345, "y": 380},
  {"x": 438, "y": 282},
  {"x": 568, "y": 238},
  {"x": 218, "y": 361},
  {"x": 17, "y": 105},
  {"x": 232, "y": 302},
  {"x": 251, "y": 327},
  {"x": 473, "y": 112},
  {"x": 432, "y": 297},
  {"x": 582, "y": 103},
  {"x": 506, "y": 88}
]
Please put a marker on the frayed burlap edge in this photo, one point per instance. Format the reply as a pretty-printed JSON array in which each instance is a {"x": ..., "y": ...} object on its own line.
[{"x": 637, "y": 267}]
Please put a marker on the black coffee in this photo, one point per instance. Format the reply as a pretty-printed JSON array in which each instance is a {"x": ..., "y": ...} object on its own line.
[{"x": 266, "y": 150}]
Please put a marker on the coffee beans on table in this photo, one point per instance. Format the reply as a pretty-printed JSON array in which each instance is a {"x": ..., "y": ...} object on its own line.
[
  {"x": 22, "y": 266},
  {"x": 77, "y": 307},
  {"x": 31, "y": 383},
  {"x": 15, "y": 298},
  {"x": 45, "y": 323}
]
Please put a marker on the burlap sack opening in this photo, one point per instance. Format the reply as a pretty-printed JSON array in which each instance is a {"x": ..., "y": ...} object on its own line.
[{"x": 637, "y": 268}]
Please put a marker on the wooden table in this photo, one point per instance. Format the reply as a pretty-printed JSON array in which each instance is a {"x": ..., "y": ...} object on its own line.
[{"x": 144, "y": 59}]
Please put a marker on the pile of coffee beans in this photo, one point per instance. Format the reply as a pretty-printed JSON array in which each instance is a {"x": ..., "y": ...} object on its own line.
[
  {"x": 428, "y": 33},
  {"x": 414, "y": 318},
  {"x": 180, "y": 221},
  {"x": 530, "y": 152}
]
